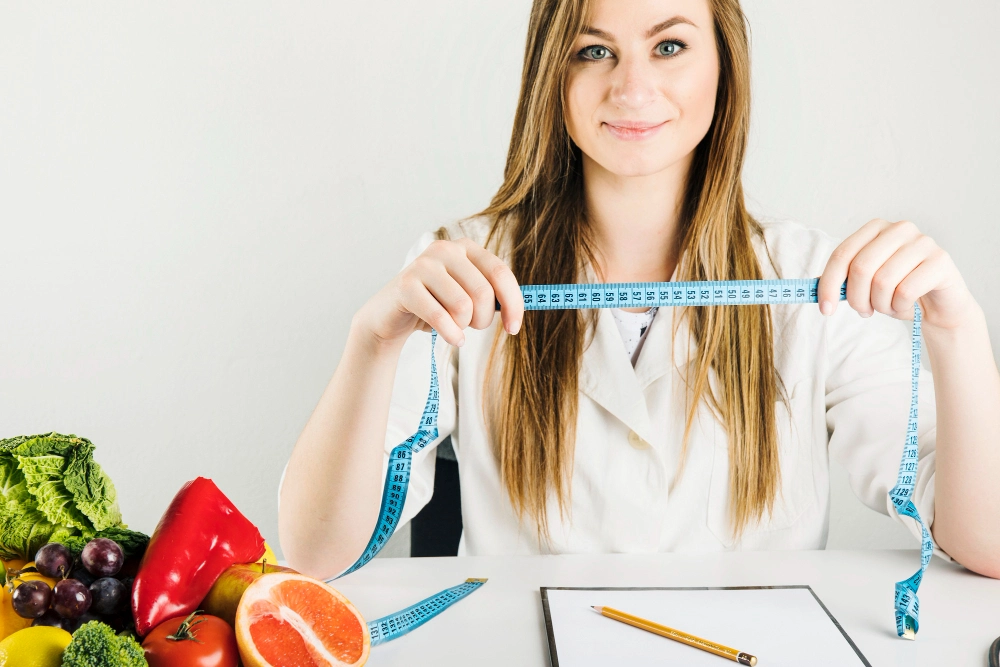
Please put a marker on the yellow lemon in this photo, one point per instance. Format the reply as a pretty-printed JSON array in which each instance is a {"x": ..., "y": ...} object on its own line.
[
  {"x": 40, "y": 646},
  {"x": 268, "y": 555},
  {"x": 10, "y": 622}
]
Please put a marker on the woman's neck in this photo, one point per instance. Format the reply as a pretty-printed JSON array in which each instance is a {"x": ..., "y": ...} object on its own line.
[{"x": 634, "y": 221}]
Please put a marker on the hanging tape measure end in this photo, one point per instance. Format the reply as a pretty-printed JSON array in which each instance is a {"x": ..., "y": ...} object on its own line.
[
  {"x": 909, "y": 627},
  {"x": 475, "y": 581}
]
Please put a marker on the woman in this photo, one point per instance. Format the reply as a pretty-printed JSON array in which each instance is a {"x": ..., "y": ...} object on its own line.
[{"x": 712, "y": 428}]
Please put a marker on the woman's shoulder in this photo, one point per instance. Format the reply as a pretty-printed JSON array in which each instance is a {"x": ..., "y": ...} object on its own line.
[
  {"x": 476, "y": 228},
  {"x": 789, "y": 249}
]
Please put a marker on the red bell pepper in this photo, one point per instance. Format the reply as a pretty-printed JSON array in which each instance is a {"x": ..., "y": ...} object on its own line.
[{"x": 200, "y": 535}]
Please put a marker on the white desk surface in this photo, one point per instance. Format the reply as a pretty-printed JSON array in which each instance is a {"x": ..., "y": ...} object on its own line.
[{"x": 502, "y": 623}]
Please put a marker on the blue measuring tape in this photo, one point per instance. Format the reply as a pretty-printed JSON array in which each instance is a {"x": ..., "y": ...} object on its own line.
[
  {"x": 631, "y": 295},
  {"x": 907, "y": 604},
  {"x": 398, "y": 624}
]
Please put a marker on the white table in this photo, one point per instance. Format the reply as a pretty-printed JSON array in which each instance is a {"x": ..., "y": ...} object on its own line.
[{"x": 502, "y": 623}]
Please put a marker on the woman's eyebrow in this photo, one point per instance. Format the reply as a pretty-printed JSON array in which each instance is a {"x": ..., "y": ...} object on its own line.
[
  {"x": 652, "y": 32},
  {"x": 669, "y": 23}
]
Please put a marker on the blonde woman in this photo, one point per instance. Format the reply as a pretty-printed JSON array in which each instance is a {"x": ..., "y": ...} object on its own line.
[{"x": 698, "y": 429}]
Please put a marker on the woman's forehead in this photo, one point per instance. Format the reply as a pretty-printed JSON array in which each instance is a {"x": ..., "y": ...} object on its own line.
[{"x": 644, "y": 18}]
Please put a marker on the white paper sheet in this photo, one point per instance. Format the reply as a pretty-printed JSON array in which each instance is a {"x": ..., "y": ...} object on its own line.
[{"x": 780, "y": 626}]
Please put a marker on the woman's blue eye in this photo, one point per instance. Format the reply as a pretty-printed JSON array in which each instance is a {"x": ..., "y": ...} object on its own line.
[
  {"x": 669, "y": 48},
  {"x": 596, "y": 52}
]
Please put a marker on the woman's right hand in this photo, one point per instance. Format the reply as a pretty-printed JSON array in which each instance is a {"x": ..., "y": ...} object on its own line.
[{"x": 450, "y": 286}]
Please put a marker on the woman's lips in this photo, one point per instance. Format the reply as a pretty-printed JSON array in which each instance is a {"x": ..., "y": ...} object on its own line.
[{"x": 634, "y": 131}]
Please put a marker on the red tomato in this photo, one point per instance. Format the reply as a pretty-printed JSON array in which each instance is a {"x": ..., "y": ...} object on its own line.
[{"x": 198, "y": 640}]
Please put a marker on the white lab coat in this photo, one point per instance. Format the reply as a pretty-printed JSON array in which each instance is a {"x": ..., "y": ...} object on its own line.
[{"x": 848, "y": 383}]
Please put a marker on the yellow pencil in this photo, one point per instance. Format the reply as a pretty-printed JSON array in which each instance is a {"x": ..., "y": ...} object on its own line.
[{"x": 682, "y": 637}]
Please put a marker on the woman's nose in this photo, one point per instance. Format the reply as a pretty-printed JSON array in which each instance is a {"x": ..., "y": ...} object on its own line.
[{"x": 632, "y": 84}]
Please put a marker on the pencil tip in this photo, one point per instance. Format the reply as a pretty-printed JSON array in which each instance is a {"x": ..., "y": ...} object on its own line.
[{"x": 595, "y": 608}]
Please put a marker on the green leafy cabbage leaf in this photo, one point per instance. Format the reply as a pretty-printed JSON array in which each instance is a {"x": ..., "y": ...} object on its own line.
[
  {"x": 44, "y": 476},
  {"x": 23, "y": 530},
  {"x": 92, "y": 489}
]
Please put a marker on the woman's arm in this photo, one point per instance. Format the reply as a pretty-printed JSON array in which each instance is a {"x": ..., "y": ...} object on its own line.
[
  {"x": 333, "y": 483},
  {"x": 889, "y": 266}
]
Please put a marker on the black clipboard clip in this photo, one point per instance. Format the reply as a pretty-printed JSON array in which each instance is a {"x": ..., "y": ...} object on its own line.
[{"x": 995, "y": 654}]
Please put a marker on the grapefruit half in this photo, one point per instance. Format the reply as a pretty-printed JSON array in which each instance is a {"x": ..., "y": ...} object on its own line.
[{"x": 286, "y": 619}]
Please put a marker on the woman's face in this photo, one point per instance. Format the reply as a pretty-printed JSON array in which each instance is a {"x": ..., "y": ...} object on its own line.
[{"x": 641, "y": 86}]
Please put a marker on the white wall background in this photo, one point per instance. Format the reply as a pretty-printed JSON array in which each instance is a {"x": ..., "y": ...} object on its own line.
[{"x": 195, "y": 198}]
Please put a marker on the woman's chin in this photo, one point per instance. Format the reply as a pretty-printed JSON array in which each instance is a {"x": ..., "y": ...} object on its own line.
[{"x": 636, "y": 166}]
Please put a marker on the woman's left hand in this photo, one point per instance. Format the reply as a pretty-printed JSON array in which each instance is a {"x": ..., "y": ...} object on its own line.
[{"x": 890, "y": 265}]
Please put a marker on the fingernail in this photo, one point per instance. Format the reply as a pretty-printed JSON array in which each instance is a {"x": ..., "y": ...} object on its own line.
[
  {"x": 826, "y": 307},
  {"x": 865, "y": 314},
  {"x": 461, "y": 341},
  {"x": 515, "y": 327}
]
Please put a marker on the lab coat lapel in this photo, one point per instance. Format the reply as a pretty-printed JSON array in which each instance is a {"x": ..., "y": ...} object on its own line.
[
  {"x": 663, "y": 348},
  {"x": 607, "y": 376},
  {"x": 654, "y": 357}
]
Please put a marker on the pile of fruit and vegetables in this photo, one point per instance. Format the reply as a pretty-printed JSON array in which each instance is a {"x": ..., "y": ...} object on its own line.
[{"x": 80, "y": 589}]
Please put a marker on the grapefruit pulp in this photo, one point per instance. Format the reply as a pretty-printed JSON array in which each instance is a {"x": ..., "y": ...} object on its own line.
[{"x": 286, "y": 619}]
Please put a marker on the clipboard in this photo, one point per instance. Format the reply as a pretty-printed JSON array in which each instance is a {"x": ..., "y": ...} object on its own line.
[{"x": 781, "y": 625}]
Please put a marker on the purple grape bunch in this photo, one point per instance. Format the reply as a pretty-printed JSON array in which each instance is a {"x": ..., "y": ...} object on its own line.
[{"x": 86, "y": 589}]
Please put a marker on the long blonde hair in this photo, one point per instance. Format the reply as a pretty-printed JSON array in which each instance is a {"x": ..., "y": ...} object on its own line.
[{"x": 539, "y": 219}]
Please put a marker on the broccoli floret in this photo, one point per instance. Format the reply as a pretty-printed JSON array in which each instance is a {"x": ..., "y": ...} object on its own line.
[{"x": 95, "y": 644}]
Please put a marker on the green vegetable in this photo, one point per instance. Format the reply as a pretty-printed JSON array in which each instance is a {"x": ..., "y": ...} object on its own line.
[
  {"x": 95, "y": 644},
  {"x": 51, "y": 489}
]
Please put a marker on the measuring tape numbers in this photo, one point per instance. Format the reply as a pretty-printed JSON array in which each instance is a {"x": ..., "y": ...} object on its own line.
[
  {"x": 703, "y": 293},
  {"x": 658, "y": 294}
]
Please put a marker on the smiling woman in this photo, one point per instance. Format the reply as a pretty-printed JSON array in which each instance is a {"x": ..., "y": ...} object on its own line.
[{"x": 625, "y": 165}]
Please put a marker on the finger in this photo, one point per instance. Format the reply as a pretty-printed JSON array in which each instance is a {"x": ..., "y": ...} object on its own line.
[
  {"x": 478, "y": 288},
  {"x": 505, "y": 286},
  {"x": 417, "y": 299},
  {"x": 835, "y": 273},
  {"x": 870, "y": 259},
  {"x": 918, "y": 282},
  {"x": 895, "y": 269},
  {"x": 451, "y": 295}
]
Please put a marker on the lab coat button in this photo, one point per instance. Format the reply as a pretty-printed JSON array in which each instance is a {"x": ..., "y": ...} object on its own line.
[{"x": 636, "y": 441}]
